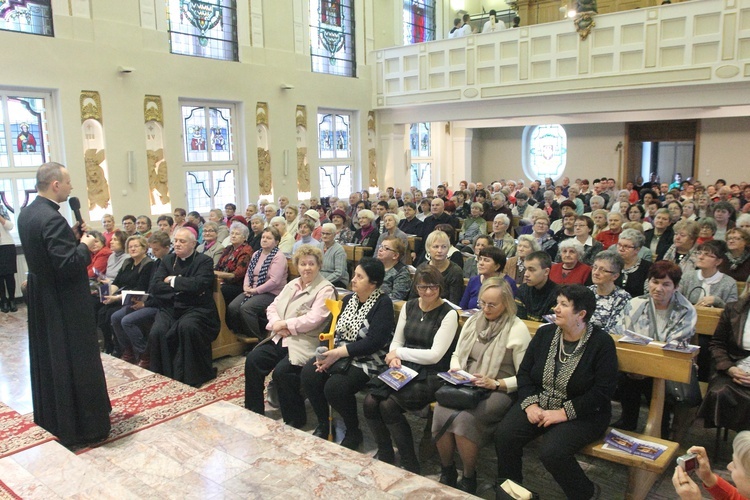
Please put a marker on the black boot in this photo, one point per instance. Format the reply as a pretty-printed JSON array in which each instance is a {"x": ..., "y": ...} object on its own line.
[
  {"x": 402, "y": 435},
  {"x": 12, "y": 306},
  {"x": 5, "y": 305},
  {"x": 449, "y": 475},
  {"x": 468, "y": 484},
  {"x": 383, "y": 440}
]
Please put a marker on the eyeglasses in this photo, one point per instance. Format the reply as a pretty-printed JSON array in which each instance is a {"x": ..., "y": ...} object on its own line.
[
  {"x": 386, "y": 249},
  {"x": 208, "y": 231},
  {"x": 597, "y": 269},
  {"x": 624, "y": 246},
  {"x": 485, "y": 305},
  {"x": 705, "y": 254},
  {"x": 424, "y": 288},
  {"x": 734, "y": 238},
  {"x": 326, "y": 233}
]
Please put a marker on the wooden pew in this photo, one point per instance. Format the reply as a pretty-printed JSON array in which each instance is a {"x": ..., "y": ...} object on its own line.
[
  {"x": 741, "y": 287},
  {"x": 650, "y": 361},
  {"x": 292, "y": 271},
  {"x": 708, "y": 319},
  {"x": 227, "y": 343}
]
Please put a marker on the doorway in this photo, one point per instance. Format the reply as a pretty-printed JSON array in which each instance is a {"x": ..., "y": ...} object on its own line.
[{"x": 659, "y": 150}]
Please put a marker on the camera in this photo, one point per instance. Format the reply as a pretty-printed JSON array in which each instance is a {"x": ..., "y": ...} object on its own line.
[{"x": 688, "y": 462}]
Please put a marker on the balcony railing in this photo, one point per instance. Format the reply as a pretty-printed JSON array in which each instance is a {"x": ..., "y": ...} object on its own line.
[{"x": 691, "y": 43}]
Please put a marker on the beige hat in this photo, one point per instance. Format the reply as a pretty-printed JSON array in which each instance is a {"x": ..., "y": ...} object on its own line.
[{"x": 313, "y": 214}]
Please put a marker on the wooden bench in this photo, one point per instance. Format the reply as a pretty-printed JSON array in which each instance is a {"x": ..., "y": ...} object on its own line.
[
  {"x": 227, "y": 343},
  {"x": 708, "y": 319}
]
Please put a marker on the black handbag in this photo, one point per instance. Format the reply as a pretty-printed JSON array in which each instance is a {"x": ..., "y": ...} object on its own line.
[
  {"x": 679, "y": 392},
  {"x": 461, "y": 397}
]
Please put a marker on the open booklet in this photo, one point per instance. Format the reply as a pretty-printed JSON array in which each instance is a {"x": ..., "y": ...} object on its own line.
[
  {"x": 396, "y": 378},
  {"x": 631, "y": 337},
  {"x": 129, "y": 297},
  {"x": 459, "y": 377},
  {"x": 639, "y": 447}
]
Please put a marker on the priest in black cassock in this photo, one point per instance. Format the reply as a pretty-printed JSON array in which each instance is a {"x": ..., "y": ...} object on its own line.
[
  {"x": 68, "y": 388},
  {"x": 187, "y": 321}
]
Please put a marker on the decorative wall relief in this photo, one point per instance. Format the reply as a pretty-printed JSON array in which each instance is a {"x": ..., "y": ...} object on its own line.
[
  {"x": 95, "y": 157},
  {"x": 584, "y": 19},
  {"x": 372, "y": 165},
  {"x": 303, "y": 168},
  {"x": 264, "y": 156},
  {"x": 158, "y": 178}
]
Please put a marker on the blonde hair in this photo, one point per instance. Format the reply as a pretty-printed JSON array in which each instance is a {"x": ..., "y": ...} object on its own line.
[
  {"x": 304, "y": 251},
  {"x": 506, "y": 294}
]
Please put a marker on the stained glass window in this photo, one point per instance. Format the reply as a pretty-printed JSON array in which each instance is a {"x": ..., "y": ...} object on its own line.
[
  {"x": 335, "y": 154},
  {"x": 206, "y": 28},
  {"x": 210, "y": 159},
  {"x": 332, "y": 37},
  {"x": 419, "y": 21},
  {"x": 545, "y": 151},
  {"x": 27, "y": 16},
  {"x": 420, "y": 147}
]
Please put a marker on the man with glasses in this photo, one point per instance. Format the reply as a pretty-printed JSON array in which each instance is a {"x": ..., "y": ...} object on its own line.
[
  {"x": 610, "y": 299},
  {"x": 128, "y": 225},
  {"x": 538, "y": 294},
  {"x": 397, "y": 281}
]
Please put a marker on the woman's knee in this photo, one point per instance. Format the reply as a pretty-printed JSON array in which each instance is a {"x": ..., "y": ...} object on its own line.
[{"x": 371, "y": 408}]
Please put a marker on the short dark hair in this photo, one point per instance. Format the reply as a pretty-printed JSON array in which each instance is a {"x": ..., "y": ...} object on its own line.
[
  {"x": 640, "y": 209},
  {"x": 120, "y": 236},
  {"x": 542, "y": 257},
  {"x": 274, "y": 232},
  {"x": 568, "y": 203},
  {"x": 716, "y": 247},
  {"x": 449, "y": 230},
  {"x": 231, "y": 205},
  {"x": 129, "y": 217},
  {"x": 587, "y": 220},
  {"x": 411, "y": 205},
  {"x": 495, "y": 254},
  {"x": 582, "y": 298},
  {"x": 167, "y": 218},
  {"x": 180, "y": 211},
  {"x": 374, "y": 269},
  {"x": 429, "y": 275},
  {"x": 383, "y": 204},
  {"x": 664, "y": 268},
  {"x": 161, "y": 238}
]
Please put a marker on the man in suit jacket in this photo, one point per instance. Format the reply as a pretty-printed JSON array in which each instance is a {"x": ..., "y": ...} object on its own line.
[{"x": 68, "y": 389}]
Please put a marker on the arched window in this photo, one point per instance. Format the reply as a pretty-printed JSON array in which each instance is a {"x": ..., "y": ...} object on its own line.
[{"x": 544, "y": 151}]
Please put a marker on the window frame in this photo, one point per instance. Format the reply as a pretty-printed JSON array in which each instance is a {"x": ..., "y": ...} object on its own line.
[
  {"x": 409, "y": 23},
  {"x": 213, "y": 46},
  {"x": 337, "y": 163},
  {"x": 37, "y": 4},
  {"x": 346, "y": 31},
  {"x": 419, "y": 160}
]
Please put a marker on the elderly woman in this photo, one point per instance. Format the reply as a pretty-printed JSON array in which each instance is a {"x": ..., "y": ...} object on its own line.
[
  {"x": 217, "y": 216},
  {"x": 565, "y": 383},
  {"x": 295, "y": 319},
  {"x": 736, "y": 261},
  {"x": 634, "y": 273},
  {"x": 344, "y": 234},
  {"x": 265, "y": 278},
  {"x": 491, "y": 347},
  {"x": 304, "y": 233},
  {"x": 707, "y": 229},
  {"x": 391, "y": 230},
  {"x": 256, "y": 224},
  {"x": 724, "y": 215},
  {"x": 211, "y": 246},
  {"x": 582, "y": 229},
  {"x": 118, "y": 256},
  {"x": 287, "y": 240},
  {"x": 546, "y": 242},
  {"x": 470, "y": 264},
  {"x": 313, "y": 216},
  {"x": 490, "y": 264},
  {"x": 334, "y": 257},
  {"x": 636, "y": 213},
  {"x": 134, "y": 274},
  {"x": 437, "y": 245},
  {"x": 727, "y": 399},
  {"x": 707, "y": 286},
  {"x": 690, "y": 211},
  {"x": 292, "y": 221},
  {"x": 363, "y": 331},
  {"x": 623, "y": 199},
  {"x": 599, "y": 217},
  {"x": 500, "y": 235},
  {"x": 397, "y": 280},
  {"x": 682, "y": 251},
  {"x": 571, "y": 270},
  {"x": 270, "y": 211},
  {"x": 425, "y": 334},
  {"x": 664, "y": 315},
  {"x": 233, "y": 262},
  {"x": 367, "y": 235},
  {"x": 716, "y": 486},
  {"x": 610, "y": 299},
  {"x": 473, "y": 225},
  {"x": 660, "y": 238},
  {"x": 515, "y": 267}
]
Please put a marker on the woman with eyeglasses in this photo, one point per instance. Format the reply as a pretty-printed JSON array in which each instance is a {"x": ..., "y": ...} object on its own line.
[
  {"x": 391, "y": 230},
  {"x": 633, "y": 276},
  {"x": 397, "y": 280},
  {"x": 565, "y": 385},
  {"x": 610, "y": 299},
  {"x": 707, "y": 286},
  {"x": 334, "y": 257},
  {"x": 636, "y": 213},
  {"x": 490, "y": 264},
  {"x": 423, "y": 341},
  {"x": 491, "y": 347},
  {"x": 233, "y": 262},
  {"x": 582, "y": 230},
  {"x": 736, "y": 262},
  {"x": 665, "y": 315},
  {"x": 541, "y": 232},
  {"x": 211, "y": 246},
  {"x": 682, "y": 251}
]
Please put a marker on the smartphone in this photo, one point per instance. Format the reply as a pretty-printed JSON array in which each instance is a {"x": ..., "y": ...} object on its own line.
[{"x": 688, "y": 462}]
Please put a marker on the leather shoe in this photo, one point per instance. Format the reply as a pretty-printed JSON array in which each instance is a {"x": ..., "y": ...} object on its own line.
[
  {"x": 352, "y": 439},
  {"x": 468, "y": 484},
  {"x": 449, "y": 475},
  {"x": 5, "y": 306},
  {"x": 12, "y": 306}
]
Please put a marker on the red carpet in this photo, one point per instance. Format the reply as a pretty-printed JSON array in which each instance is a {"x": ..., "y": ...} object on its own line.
[
  {"x": 18, "y": 432},
  {"x": 229, "y": 385},
  {"x": 6, "y": 493}
]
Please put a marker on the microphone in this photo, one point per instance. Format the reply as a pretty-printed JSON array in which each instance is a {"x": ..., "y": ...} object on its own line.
[{"x": 75, "y": 205}]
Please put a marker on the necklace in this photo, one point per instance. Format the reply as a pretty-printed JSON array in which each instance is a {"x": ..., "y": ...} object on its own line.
[{"x": 562, "y": 355}]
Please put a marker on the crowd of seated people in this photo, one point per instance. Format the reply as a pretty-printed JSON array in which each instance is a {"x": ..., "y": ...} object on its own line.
[{"x": 647, "y": 255}]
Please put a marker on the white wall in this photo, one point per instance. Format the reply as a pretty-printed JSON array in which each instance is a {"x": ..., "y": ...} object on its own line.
[{"x": 722, "y": 151}]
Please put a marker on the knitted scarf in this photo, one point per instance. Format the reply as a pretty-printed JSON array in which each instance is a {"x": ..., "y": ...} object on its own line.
[
  {"x": 263, "y": 274},
  {"x": 733, "y": 262},
  {"x": 351, "y": 320}
]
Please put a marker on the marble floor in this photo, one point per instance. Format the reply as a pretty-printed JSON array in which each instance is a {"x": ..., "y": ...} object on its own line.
[{"x": 221, "y": 450}]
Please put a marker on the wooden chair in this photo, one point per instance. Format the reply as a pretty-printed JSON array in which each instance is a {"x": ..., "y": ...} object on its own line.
[{"x": 227, "y": 343}]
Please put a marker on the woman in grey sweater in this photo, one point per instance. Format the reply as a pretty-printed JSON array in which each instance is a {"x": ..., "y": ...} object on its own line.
[{"x": 706, "y": 286}]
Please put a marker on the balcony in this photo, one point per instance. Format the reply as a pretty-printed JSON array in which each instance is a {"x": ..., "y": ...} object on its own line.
[{"x": 698, "y": 49}]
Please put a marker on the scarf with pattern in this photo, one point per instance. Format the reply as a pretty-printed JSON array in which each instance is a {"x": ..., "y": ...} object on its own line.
[
  {"x": 263, "y": 274},
  {"x": 352, "y": 319}
]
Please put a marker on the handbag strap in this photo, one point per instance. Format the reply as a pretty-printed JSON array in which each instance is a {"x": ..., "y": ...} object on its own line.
[{"x": 445, "y": 426}]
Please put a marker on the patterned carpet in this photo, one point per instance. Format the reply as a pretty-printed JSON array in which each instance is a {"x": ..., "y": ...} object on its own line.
[
  {"x": 18, "y": 432},
  {"x": 6, "y": 493},
  {"x": 229, "y": 385}
]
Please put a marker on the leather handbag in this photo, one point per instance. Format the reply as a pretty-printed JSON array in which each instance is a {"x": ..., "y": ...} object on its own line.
[{"x": 461, "y": 397}]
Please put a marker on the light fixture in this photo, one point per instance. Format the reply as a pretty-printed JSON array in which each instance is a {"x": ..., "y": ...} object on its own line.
[{"x": 286, "y": 86}]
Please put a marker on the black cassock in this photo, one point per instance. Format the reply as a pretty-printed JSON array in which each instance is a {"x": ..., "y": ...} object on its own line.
[
  {"x": 68, "y": 388},
  {"x": 187, "y": 321}
]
